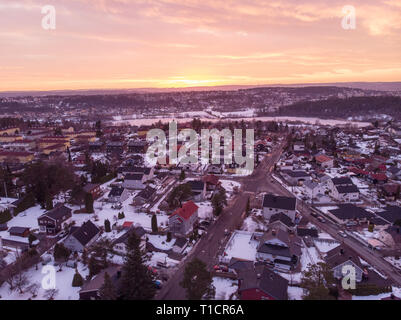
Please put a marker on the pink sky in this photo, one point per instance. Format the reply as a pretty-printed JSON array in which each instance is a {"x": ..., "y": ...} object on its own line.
[{"x": 169, "y": 43}]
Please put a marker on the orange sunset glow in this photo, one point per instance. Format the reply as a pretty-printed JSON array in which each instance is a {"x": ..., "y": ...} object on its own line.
[{"x": 169, "y": 43}]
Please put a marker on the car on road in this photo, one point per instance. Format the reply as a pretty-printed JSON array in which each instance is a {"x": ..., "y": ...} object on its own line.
[
  {"x": 342, "y": 234},
  {"x": 321, "y": 219},
  {"x": 226, "y": 232},
  {"x": 314, "y": 214}
]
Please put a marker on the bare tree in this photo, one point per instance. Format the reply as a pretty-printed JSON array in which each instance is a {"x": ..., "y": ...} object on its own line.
[{"x": 50, "y": 294}]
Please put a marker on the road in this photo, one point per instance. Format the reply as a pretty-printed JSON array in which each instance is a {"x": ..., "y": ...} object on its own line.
[{"x": 212, "y": 242}]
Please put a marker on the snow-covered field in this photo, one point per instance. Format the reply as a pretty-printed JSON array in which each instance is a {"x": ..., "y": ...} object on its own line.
[
  {"x": 229, "y": 185},
  {"x": 295, "y": 293}
]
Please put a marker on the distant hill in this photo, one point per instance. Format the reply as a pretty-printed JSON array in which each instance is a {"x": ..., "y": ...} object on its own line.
[
  {"x": 376, "y": 86},
  {"x": 343, "y": 108}
]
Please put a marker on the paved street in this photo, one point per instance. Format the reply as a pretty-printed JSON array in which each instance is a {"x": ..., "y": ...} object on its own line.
[{"x": 211, "y": 243}]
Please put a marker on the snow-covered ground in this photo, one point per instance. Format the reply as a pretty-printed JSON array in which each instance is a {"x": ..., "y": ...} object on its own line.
[
  {"x": 160, "y": 242},
  {"x": 229, "y": 185},
  {"x": 295, "y": 293},
  {"x": 205, "y": 210},
  {"x": 395, "y": 262},
  {"x": 225, "y": 288},
  {"x": 324, "y": 247},
  {"x": 241, "y": 246},
  {"x": 253, "y": 223},
  {"x": 63, "y": 284}
]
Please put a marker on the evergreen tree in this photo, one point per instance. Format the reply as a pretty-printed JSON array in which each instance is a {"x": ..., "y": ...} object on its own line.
[
  {"x": 248, "y": 207},
  {"x": 49, "y": 202},
  {"x": 219, "y": 200},
  {"x": 168, "y": 238},
  {"x": 197, "y": 280},
  {"x": 182, "y": 175},
  {"x": 154, "y": 223},
  {"x": 137, "y": 281},
  {"x": 77, "y": 281},
  {"x": 107, "y": 226},
  {"x": 61, "y": 252},
  {"x": 89, "y": 203},
  {"x": 107, "y": 291}
]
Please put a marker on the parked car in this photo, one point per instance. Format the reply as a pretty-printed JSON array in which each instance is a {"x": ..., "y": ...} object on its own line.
[
  {"x": 314, "y": 214},
  {"x": 321, "y": 219},
  {"x": 342, "y": 234}
]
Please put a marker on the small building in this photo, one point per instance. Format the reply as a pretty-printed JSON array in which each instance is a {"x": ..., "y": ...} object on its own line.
[
  {"x": 339, "y": 257},
  {"x": 134, "y": 181},
  {"x": 261, "y": 283},
  {"x": 116, "y": 147},
  {"x": 82, "y": 237},
  {"x": 118, "y": 194},
  {"x": 198, "y": 189},
  {"x": 182, "y": 220},
  {"x": 90, "y": 289},
  {"x": 273, "y": 204},
  {"x": 22, "y": 232},
  {"x": 120, "y": 244},
  {"x": 93, "y": 189},
  {"x": 137, "y": 146},
  {"x": 52, "y": 221},
  {"x": 324, "y": 161},
  {"x": 144, "y": 196}
]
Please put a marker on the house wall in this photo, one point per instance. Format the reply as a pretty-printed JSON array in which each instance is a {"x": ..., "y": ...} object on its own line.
[
  {"x": 73, "y": 244},
  {"x": 337, "y": 271}
]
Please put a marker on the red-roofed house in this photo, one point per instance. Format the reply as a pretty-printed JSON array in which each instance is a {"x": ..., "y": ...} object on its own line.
[
  {"x": 183, "y": 219},
  {"x": 324, "y": 161}
]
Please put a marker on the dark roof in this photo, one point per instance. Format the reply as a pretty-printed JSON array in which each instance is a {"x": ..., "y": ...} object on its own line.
[
  {"x": 260, "y": 277},
  {"x": 240, "y": 264},
  {"x": 134, "y": 169},
  {"x": 90, "y": 186},
  {"x": 18, "y": 230},
  {"x": 347, "y": 189},
  {"x": 180, "y": 242},
  {"x": 58, "y": 212},
  {"x": 137, "y": 143},
  {"x": 116, "y": 191},
  {"x": 340, "y": 254},
  {"x": 391, "y": 213},
  {"x": 303, "y": 232},
  {"x": 139, "y": 231},
  {"x": 282, "y": 218},
  {"x": 146, "y": 193},
  {"x": 279, "y": 202},
  {"x": 133, "y": 176},
  {"x": 196, "y": 184},
  {"x": 96, "y": 283},
  {"x": 342, "y": 181},
  {"x": 86, "y": 233},
  {"x": 296, "y": 174},
  {"x": 350, "y": 211}
]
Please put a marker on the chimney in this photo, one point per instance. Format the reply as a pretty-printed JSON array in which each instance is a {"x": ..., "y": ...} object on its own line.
[
  {"x": 341, "y": 251},
  {"x": 258, "y": 275},
  {"x": 118, "y": 274},
  {"x": 274, "y": 232}
]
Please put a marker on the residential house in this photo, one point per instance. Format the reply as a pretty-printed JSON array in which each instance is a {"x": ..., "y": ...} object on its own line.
[
  {"x": 280, "y": 249},
  {"x": 324, "y": 161},
  {"x": 120, "y": 244},
  {"x": 182, "y": 220},
  {"x": 90, "y": 290},
  {"x": 273, "y": 204},
  {"x": 391, "y": 214},
  {"x": 118, "y": 194},
  {"x": 137, "y": 146},
  {"x": 22, "y": 232},
  {"x": 144, "y": 196},
  {"x": 350, "y": 213},
  {"x": 52, "y": 221},
  {"x": 116, "y": 147},
  {"x": 93, "y": 189},
  {"x": 134, "y": 181},
  {"x": 281, "y": 221},
  {"x": 180, "y": 245},
  {"x": 343, "y": 189},
  {"x": 82, "y": 237},
  {"x": 198, "y": 189},
  {"x": 294, "y": 177},
  {"x": 339, "y": 257},
  {"x": 261, "y": 283}
]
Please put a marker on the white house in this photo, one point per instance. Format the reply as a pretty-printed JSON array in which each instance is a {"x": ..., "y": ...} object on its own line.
[{"x": 273, "y": 204}]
